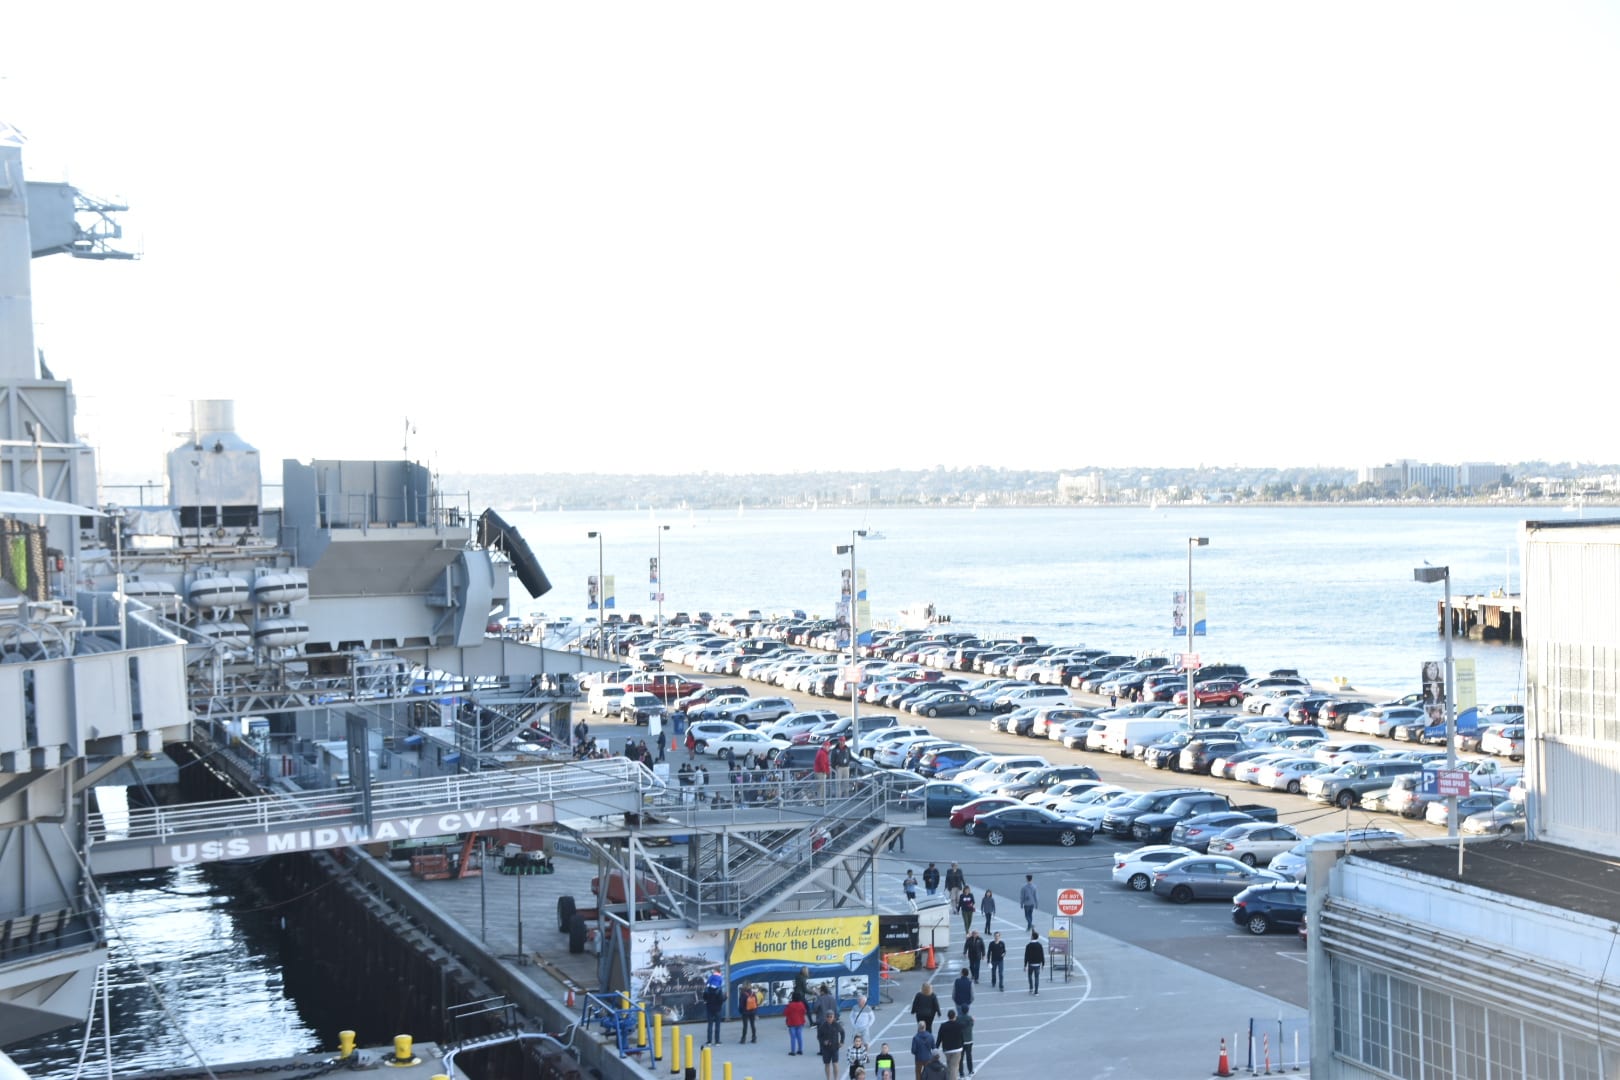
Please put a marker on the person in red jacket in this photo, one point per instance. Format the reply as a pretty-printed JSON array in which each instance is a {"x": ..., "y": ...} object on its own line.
[
  {"x": 823, "y": 769},
  {"x": 795, "y": 1015}
]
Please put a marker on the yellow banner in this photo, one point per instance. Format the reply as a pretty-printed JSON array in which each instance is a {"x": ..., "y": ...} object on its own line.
[{"x": 807, "y": 940}]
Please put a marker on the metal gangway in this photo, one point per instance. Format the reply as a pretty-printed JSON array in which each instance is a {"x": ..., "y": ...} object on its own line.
[{"x": 398, "y": 810}]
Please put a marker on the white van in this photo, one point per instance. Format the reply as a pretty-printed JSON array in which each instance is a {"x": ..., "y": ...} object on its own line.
[
  {"x": 1097, "y": 737},
  {"x": 1127, "y": 734},
  {"x": 605, "y": 700}
]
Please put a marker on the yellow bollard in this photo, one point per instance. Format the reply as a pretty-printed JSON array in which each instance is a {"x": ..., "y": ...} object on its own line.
[
  {"x": 691, "y": 1056},
  {"x": 624, "y": 1000},
  {"x": 345, "y": 1043},
  {"x": 641, "y": 1025},
  {"x": 705, "y": 1072},
  {"x": 658, "y": 1036},
  {"x": 725, "y": 1071},
  {"x": 674, "y": 1049}
]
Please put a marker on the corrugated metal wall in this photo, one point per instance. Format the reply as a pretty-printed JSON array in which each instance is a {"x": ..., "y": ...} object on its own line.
[{"x": 1572, "y": 661}]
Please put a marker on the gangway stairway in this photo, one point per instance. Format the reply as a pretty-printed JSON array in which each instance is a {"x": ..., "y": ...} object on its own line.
[{"x": 722, "y": 868}]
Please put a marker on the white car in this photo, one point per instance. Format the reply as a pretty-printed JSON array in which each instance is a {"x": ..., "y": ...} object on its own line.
[
  {"x": 873, "y": 741},
  {"x": 1255, "y": 842},
  {"x": 892, "y": 754},
  {"x": 1135, "y": 868},
  {"x": 1093, "y": 812},
  {"x": 1248, "y": 772},
  {"x": 997, "y": 766},
  {"x": 1272, "y": 702},
  {"x": 1337, "y": 753},
  {"x": 1506, "y": 741},
  {"x": 1288, "y": 774},
  {"x": 1384, "y": 719},
  {"x": 704, "y": 730},
  {"x": 739, "y": 744},
  {"x": 1063, "y": 789},
  {"x": 1071, "y": 805}
]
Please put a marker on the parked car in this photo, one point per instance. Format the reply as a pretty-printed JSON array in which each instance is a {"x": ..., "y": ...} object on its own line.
[
  {"x": 965, "y": 812},
  {"x": 1135, "y": 869},
  {"x": 1507, "y": 741},
  {"x": 1032, "y": 825},
  {"x": 1255, "y": 842},
  {"x": 1438, "y": 812},
  {"x": 1292, "y": 863},
  {"x": 1260, "y": 909},
  {"x": 739, "y": 744},
  {"x": 1207, "y": 877},
  {"x": 1344, "y": 786},
  {"x": 1334, "y": 714},
  {"x": 1199, "y": 830},
  {"x": 638, "y": 708},
  {"x": 940, "y": 796},
  {"x": 760, "y": 710},
  {"x": 1503, "y": 819}
]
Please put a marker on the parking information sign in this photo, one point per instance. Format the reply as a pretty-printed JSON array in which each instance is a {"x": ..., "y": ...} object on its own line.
[
  {"x": 1071, "y": 902},
  {"x": 1446, "y": 782}
]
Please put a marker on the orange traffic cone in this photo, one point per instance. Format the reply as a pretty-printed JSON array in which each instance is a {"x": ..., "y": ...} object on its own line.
[
  {"x": 1225, "y": 1066},
  {"x": 571, "y": 1002},
  {"x": 931, "y": 964}
]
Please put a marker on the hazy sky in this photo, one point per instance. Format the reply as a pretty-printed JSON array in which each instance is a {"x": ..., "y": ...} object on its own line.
[{"x": 754, "y": 236}]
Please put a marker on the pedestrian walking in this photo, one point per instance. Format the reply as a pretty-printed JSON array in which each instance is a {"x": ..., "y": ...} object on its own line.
[
  {"x": 910, "y": 886},
  {"x": 714, "y": 1004},
  {"x": 691, "y": 744},
  {"x": 965, "y": 904},
  {"x": 967, "y": 1045},
  {"x": 662, "y": 740},
  {"x": 899, "y": 841},
  {"x": 934, "y": 1069},
  {"x": 1027, "y": 899},
  {"x": 925, "y": 1006},
  {"x": 997, "y": 952},
  {"x": 795, "y": 1015},
  {"x": 955, "y": 881},
  {"x": 962, "y": 993},
  {"x": 823, "y": 770},
  {"x": 858, "y": 1055},
  {"x": 801, "y": 984},
  {"x": 973, "y": 949},
  {"x": 884, "y": 1063},
  {"x": 950, "y": 1043},
  {"x": 861, "y": 1019},
  {"x": 987, "y": 907},
  {"x": 1034, "y": 960},
  {"x": 931, "y": 879},
  {"x": 747, "y": 1007},
  {"x": 922, "y": 1048},
  {"x": 825, "y": 1002},
  {"x": 830, "y": 1041}
]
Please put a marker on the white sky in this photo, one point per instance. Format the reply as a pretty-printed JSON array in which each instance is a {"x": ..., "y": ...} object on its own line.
[{"x": 765, "y": 236}]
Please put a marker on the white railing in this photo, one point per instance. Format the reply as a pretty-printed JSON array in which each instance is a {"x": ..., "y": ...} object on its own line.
[{"x": 546, "y": 783}]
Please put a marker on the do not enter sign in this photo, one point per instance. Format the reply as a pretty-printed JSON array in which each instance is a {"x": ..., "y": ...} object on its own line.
[{"x": 1071, "y": 902}]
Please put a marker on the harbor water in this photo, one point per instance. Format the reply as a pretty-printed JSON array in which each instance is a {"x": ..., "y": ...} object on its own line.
[{"x": 1327, "y": 590}]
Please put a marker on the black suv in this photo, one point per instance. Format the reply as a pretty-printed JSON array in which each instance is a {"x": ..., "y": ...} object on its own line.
[{"x": 1260, "y": 909}]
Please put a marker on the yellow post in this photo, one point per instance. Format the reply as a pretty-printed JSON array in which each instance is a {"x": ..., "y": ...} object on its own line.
[
  {"x": 641, "y": 1025},
  {"x": 624, "y": 1000},
  {"x": 706, "y": 1071},
  {"x": 691, "y": 1058},
  {"x": 675, "y": 1048},
  {"x": 658, "y": 1036},
  {"x": 345, "y": 1043},
  {"x": 725, "y": 1071}
]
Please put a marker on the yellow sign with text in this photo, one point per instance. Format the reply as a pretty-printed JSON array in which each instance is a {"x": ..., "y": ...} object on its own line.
[{"x": 807, "y": 940}]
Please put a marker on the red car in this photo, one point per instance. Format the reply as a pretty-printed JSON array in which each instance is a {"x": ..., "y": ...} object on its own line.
[
  {"x": 965, "y": 813},
  {"x": 1214, "y": 692},
  {"x": 666, "y": 685}
]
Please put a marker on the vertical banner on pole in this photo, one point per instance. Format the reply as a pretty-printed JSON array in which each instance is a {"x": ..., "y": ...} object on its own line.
[
  {"x": 591, "y": 592},
  {"x": 607, "y": 590},
  {"x": 1199, "y": 629},
  {"x": 1463, "y": 688},
  {"x": 652, "y": 577},
  {"x": 1182, "y": 613}
]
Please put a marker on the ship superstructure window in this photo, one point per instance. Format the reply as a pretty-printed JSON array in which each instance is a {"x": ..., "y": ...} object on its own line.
[{"x": 1400, "y": 1029}]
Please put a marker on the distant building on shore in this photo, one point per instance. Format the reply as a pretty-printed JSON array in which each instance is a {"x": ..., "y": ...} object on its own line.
[
  {"x": 1085, "y": 487},
  {"x": 1404, "y": 475}
]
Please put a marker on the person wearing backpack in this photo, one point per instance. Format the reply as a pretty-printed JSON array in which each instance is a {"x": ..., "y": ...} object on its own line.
[
  {"x": 714, "y": 1004},
  {"x": 747, "y": 1007}
]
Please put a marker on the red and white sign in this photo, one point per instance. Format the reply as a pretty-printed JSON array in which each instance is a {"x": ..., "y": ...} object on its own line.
[
  {"x": 1448, "y": 782},
  {"x": 1188, "y": 661},
  {"x": 1071, "y": 901}
]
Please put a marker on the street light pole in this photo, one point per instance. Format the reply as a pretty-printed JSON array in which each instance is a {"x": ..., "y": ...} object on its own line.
[
  {"x": 601, "y": 600},
  {"x": 1192, "y": 542},
  {"x": 659, "y": 584},
  {"x": 855, "y": 686},
  {"x": 1429, "y": 575}
]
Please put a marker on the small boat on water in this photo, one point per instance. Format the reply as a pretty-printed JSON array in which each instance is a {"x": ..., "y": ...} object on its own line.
[{"x": 920, "y": 616}]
